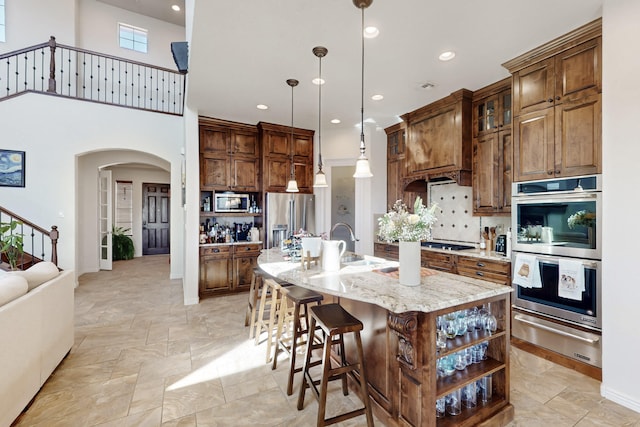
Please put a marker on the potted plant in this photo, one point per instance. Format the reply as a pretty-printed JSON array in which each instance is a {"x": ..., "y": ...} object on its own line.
[
  {"x": 122, "y": 244},
  {"x": 11, "y": 242}
]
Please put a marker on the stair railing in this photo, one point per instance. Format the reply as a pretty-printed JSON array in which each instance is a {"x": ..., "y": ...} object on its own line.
[
  {"x": 38, "y": 243},
  {"x": 57, "y": 69}
]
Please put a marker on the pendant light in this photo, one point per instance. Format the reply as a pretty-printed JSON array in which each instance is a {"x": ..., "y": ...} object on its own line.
[
  {"x": 362, "y": 165},
  {"x": 320, "y": 180},
  {"x": 292, "y": 185}
]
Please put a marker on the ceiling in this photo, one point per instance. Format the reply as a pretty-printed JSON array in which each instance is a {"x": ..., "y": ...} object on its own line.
[
  {"x": 159, "y": 9},
  {"x": 242, "y": 53}
]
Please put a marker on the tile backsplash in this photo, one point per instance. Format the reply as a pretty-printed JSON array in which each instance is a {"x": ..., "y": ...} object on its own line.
[{"x": 456, "y": 222}]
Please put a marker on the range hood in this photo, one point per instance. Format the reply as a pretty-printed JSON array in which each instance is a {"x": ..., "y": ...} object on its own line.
[{"x": 419, "y": 184}]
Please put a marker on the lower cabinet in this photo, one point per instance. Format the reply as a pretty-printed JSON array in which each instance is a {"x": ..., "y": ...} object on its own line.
[
  {"x": 386, "y": 251},
  {"x": 480, "y": 268},
  {"x": 227, "y": 268},
  {"x": 438, "y": 261}
]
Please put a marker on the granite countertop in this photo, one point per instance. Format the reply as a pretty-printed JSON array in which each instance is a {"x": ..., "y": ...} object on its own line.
[
  {"x": 358, "y": 281},
  {"x": 476, "y": 253},
  {"x": 243, "y": 242}
]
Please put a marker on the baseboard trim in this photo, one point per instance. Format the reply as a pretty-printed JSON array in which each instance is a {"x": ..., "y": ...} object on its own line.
[{"x": 619, "y": 398}]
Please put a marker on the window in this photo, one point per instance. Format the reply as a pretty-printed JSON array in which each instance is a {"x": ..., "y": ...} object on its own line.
[
  {"x": 2, "y": 22},
  {"x": 132, "y": 37}
]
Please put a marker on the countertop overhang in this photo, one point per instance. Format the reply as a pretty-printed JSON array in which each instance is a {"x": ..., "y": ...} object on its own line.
[{"x": 360, "y": 282}]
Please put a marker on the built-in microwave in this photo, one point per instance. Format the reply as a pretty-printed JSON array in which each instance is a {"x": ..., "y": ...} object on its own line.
[
  {"x": 231, "y": 202},
  {"x": 558, "y": 217}
]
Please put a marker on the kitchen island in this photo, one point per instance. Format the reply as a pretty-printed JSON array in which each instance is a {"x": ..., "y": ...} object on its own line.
[{"x": 399, "y": 336}]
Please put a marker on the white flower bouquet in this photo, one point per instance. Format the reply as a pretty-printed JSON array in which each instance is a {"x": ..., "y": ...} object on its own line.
[
  {"x": 584, "y": 218},
  {"x": 400, "y": 225}
]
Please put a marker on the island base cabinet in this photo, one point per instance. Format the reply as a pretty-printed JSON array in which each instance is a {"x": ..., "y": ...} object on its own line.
[{"x": 401, "y": 359}]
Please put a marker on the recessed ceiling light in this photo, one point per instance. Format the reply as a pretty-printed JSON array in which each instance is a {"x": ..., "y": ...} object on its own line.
[
  {"x": 262, "y": 107},
  {"x": 176, "y": 8},
  {"x": 371, "y": 32},
  {"x": 447, "y": 56},
  {"x": 318, "y": 81},
  {"x": 377, "y": 97},
  {"x": 335, "y": 121}
]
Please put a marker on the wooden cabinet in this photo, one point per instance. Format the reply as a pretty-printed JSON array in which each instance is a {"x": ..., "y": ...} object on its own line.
[
  {"x": 439, "y": 139},
  {"x": 492, "y": 149},
  {"x": 215, "y": 269},
  {"x": 386, "y": 251},
  {"x": 229, "y": 156},
  {"x": 396, "y": 135},
  {"x": 557, "y": 91},
  {"x": 227, "y": 268},
  {"x": 438, "y": 261},
  {"x": 245, "y": 259},
  {"x": 279, "y": 150},
  {"x": 481, "y": 268}
]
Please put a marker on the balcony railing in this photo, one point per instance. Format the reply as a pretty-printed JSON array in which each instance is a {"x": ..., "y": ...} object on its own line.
[{"x": 67, "y": 71}]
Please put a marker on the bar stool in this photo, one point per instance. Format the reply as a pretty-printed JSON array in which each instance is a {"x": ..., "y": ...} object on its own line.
[
  {"x": 269, "y": 300},
  {"x": 254, "y": 296},
  {"x": 294, "y": 307},
  {"x": 335, "y": 321}
]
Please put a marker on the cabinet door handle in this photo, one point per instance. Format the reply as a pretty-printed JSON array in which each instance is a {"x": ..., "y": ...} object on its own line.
[
  {"x": 247, "y": 248},
  {"x": 558, "y": 171},
  {"x": 550, "y": 100},
  {"x": 216, "y": 250},
  {"x": 549, "y": 172},
  {"x": 479, "y": 273},
  {"x": 557, "y": 98},
  {"x": 480, "y": 264}
]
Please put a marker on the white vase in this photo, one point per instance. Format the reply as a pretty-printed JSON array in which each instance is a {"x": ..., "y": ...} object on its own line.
[{"x": 409, "y": 258}]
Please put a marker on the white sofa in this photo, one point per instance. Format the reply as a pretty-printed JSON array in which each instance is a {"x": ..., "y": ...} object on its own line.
[{"x": 36, "y": 333}]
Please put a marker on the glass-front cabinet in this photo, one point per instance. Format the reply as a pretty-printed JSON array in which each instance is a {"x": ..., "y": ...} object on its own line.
[{"x": 493, "y": 113}]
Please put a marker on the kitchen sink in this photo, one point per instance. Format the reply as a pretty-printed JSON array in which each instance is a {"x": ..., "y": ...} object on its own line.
[
  {"x": 351, "y": 258},
  {"x": 358, "y": 260}
]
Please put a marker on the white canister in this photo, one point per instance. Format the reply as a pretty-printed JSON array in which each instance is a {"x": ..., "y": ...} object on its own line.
[
  {"x": 311, "y": 246},
  {"x": 546, "y": 235}
]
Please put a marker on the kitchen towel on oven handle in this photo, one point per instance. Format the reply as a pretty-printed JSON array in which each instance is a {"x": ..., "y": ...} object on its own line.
[
  {"x": 527, "y": 272},
  {"x": 570, "y": 279}
]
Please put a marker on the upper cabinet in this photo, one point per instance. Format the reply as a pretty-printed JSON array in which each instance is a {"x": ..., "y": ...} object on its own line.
[
  {"x": 492, "y": 149},
  {"x": 279, "y": 149},
  {"x": 229, "y": 156},
  {"x": 439, "y": 140},
  {"x": 557, "y": 109},
  {"x": 396, "y": 135}
]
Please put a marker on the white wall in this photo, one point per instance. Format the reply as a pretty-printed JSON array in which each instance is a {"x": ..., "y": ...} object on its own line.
[
  {"x": 98, "y": 31},
  {"x": 32, "y": 22},
  {"x": 621, "y": 154},
  {"x": 59, "y": 189}
]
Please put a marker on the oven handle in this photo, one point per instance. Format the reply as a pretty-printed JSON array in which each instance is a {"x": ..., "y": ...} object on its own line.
[
  {"x": 554, "y": 330},
  {"x": 555, "y": 260}
]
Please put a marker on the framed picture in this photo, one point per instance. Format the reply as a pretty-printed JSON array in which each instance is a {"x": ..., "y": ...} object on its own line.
[{"x": 11, "y": 168}]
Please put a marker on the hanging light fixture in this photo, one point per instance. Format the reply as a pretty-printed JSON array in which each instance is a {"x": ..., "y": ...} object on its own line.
[
  {"x": 292, "y": 185},
  {"x": 320, "y": 180},
  {"x": 362, "y": 165}
]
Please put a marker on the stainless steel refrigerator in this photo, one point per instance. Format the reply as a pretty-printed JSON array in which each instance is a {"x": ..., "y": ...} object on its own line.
[{"x": 286, "y": 214}]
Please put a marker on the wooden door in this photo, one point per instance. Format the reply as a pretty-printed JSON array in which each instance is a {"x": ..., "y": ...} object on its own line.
[
  {"x": 215, "y": 274},
  {"x": 277, "y": 171},
  {"x": 214, "y": 140},
  {"x": 245, "y": 143},
  {"x": 277, "y": 143},
  {"x": 215, "y": 172},
  {"x": 578, "y": 137},
  {"x": 533, "y": 150},
  {"x": 505, "y": 144},
  {"x": 244, "y": 174},
  {"x": 578, "y": 72},
  {"x": 155, "y": 218},
  {"x": 534, "y": 87},
  {"x": 243, "y": 271},
  {"x": 486, "y": 173}
]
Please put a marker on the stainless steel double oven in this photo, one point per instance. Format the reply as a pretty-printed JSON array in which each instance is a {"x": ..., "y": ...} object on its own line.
[{"x": 555, "y": 220}]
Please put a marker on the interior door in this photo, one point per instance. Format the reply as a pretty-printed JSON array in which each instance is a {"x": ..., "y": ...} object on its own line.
[
  {"x": 105, "y": 219},
  {"x": 155, "y": 218}
]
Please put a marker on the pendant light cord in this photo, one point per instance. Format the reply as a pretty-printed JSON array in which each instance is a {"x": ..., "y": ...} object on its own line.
[
  {"x": 293, "y": 170},
  {"x": 319, "y": 115},
  {"x": 362, "y": 148}
]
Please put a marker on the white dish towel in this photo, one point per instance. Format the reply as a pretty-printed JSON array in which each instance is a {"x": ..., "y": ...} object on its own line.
[
  {"x": 526, "y": 272},
  {"x": 570, "y": 279}
]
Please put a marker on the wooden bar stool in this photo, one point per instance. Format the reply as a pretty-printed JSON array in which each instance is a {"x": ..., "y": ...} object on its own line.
[
  {"x": 334, "y": 321},
  {"x": 269, "y": 300},
  {"x": 294, "y": 308},
  {"x": 254, "y": 297}
]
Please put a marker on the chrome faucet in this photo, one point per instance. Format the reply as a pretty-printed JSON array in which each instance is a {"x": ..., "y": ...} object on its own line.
[{"x": 347, "y": 226}]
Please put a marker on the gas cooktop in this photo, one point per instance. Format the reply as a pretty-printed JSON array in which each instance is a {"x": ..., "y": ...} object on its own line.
[{"x": 446, "y": 246}]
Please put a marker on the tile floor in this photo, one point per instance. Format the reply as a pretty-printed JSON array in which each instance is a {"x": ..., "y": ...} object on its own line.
[{"x": 142, "y": 358}]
